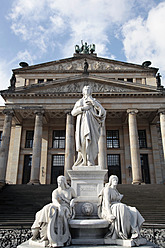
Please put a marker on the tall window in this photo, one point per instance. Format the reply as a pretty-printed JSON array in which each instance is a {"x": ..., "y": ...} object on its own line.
[
  {"x": 113, "y": 139},
  {"x": 142, "y": 138},
  {"x": 29, "y": 139},
  {"x": 57, "y": 167},
  {"x": 27, "y": 169},
  {"x": 145, "y": 168},
  {"x": 114, "y": 168},
  {"x": 0, "y": 137},
  {"x": 59, "y": 139}
]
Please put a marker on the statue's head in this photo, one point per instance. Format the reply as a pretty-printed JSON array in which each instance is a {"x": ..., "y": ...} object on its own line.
[
  {"x": 113, "y": 180},
  {"x": 87, "y": 91},
  {"x": 61, "y": 181}
]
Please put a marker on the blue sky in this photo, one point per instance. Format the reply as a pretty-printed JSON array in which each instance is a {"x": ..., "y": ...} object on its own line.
[{"x": 38, "y": 31}]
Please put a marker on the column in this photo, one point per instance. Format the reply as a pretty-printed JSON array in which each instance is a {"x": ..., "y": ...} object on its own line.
[
  {"x": 162, "y": 128},
  {"x": 102, "y": 156},
  {"x": 156, "y": 173},
  {"x": 69, "y": 145},
  {"x": 37, "y": 143},
  {"x": 4, "y": 149},
  {"x": 14, "y": 154},
  {"x": 127, "y": 158},
  {"x": 134, "y": 147}
]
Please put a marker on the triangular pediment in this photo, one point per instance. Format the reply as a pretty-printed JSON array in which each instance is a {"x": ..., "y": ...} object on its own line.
[
  {"x": 75, "y": 85},
  {"x": 96, "y": 64}
]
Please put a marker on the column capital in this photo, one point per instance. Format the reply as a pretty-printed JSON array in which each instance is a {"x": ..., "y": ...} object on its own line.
[
  {"x": 161, "y": 111},
  {"x": 132, "y": 111},
  {"x": 8, "y": 112},
  {"x": 39, "y": 112}
]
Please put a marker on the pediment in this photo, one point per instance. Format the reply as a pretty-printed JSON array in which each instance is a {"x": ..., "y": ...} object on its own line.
[
  {"x": 76, "y": 84},
  {"x": 77, "y": 64}
]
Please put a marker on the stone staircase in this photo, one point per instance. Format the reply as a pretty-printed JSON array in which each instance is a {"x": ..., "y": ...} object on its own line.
[{"x": 19, "y": 203}]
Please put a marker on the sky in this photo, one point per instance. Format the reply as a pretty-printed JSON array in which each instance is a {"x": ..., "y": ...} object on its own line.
[{"x": 38, "y": 31}]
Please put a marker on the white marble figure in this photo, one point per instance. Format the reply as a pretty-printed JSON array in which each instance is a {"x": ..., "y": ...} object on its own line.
[
  {"x": 125, "y": 221},
  {"x": 51, "y": 222},
  {"x": 90, "y": 116}
]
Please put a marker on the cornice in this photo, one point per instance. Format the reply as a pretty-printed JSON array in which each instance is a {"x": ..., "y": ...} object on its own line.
[
  {"x": 64, "y": 94},
  {"x": 80, "y": 71}
]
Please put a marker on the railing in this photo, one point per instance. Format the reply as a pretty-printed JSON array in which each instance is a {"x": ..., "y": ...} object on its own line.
[{"x": 11, "y": 237}]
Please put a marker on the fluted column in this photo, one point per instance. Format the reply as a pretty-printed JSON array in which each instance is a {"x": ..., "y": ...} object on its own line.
[
  {"x": 102, "y": 156},
  {"x": 134, "y": 147},
  {"x": 69, "y": 145},
  {"x": 162, "y": 128},
  {"x": 37, "y": 143},
  {"x": 4, "y": 149}
]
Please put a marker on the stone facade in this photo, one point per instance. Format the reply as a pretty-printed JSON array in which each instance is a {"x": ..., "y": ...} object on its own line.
[{"x": 36, "y": 121}]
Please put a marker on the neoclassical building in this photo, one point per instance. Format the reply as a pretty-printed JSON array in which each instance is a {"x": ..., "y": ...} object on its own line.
[{"x": 37, "y": 131}]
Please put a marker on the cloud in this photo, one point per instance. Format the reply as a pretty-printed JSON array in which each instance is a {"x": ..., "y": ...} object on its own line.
[
  {"x": 144, "y": 38},
  {"x": 47, "y": 23},
  {"x": 7, "y": 66}
]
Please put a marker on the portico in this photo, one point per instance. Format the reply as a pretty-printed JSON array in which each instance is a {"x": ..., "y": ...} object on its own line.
[{"x": 40, "y": 132}]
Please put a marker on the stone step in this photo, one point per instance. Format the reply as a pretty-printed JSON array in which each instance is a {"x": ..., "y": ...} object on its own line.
[{"x": 19, "y": 203}]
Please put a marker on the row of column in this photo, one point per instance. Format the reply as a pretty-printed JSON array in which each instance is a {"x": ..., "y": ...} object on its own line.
[{"x": 69, "y": 150}]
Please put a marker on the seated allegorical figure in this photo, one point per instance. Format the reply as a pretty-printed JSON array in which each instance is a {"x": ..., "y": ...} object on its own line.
[
  {"x": 51, "y": 222},
  {"x": 125, "y": 221}
]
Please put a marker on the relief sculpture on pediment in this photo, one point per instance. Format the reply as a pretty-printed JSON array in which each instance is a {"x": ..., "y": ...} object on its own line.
[
  {"x": 77, "y": 88},
  {"x": 93, "y": 66}
]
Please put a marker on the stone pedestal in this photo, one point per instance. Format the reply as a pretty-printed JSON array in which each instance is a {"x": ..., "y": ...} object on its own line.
[{"x": 87, "y": 182}]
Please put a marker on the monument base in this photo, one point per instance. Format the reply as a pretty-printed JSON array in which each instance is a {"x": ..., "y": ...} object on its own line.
[
  {"x": 87, "y": 181},
  {"x": 99, "y": 242},
  {"x": 127, "y": 242}
]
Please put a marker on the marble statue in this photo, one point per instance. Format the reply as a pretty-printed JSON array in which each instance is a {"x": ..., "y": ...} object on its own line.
[
  {"x": 90, "y": 116},
  {"x": 125, "y": 221},
  {"x": 51, "y": 222}
]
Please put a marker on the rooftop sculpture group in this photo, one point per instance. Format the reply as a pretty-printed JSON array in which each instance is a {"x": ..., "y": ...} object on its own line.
[{"x": 85, "y": 48}]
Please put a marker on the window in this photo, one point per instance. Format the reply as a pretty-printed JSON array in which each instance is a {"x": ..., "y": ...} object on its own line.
[
  {"x": 40, "y": 81},
  {"x": 114, "y": 168},
  {"x": 58, "y": 160},
  {"x": 142, "y": 139},
  {"x": 0, "y": 137},
  {"x": 59, "y": 139},
  {"x": 113, "y": 160},
  {"x": 145, "y": 168},
  {"x": 57, "y": 167},
  {"x": 121, "y": 79},
  {"x": 130, "y": 80},
  {"x": 49, "y": 79},
  {"x": 113, "y": 139},
  {"x": 27, "y": 169},
  {"x": 29, "y": 139}
]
